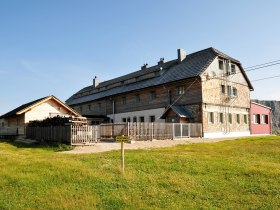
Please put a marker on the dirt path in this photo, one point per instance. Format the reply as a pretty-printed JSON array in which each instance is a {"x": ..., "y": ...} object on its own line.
[{"x": 109, "y": 146}]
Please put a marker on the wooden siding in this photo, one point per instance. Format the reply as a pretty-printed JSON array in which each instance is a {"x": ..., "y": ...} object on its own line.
[{"x": 164, "y": 94}]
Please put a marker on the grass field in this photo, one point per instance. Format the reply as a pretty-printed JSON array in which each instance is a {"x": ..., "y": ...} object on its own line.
[{"x": 239, "y": 174}]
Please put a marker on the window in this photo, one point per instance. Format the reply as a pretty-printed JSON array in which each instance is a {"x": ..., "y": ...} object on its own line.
[
  {"x": 99, "y": 105},
  {"x": 152, "y": 118},
  {"x": 245, "y": 119},
  {"x": 123, "y": 100},
  {"x": 256, "y": 119},
  {"x": 153, "y": 95},
  {"x": 141, "y": 119},
  {"x": 229, "y": 90},
  {"x": 81, "y": 108},
  {"x": 128, "y": 119},
  {"x": 223, "y": 89},
  {"x": 264, "y": 119},
  {"x": 230, "y": 118},
  {"x": 137, "y": 98},
  {"x": 233, "y": 70},
  {"x": 89, "y": 107},
  {"x": 3, "y": 124},
  {"x": 221, "y": 65},
  {"x": 134, "y": 119},
  {"x": 234, "y": 91},
  {"x": 124, "y": 119},
  {"x": 180, "y": 90},
  {"x": 221, "y": 118},
  {"x": 238, "y": 118},
  {"x": 211, "y": 117}
]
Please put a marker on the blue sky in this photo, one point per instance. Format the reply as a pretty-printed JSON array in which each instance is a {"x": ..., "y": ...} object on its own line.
[{"x": 56, "y": 47}]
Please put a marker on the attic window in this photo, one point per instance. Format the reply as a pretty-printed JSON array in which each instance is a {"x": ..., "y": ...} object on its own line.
[
  {"x": 233, "y": 70},
  {"x": 221, "y": 65}
]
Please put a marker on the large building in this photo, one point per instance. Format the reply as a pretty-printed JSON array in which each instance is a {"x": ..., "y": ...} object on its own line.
[{"x": 207, "y": 87}]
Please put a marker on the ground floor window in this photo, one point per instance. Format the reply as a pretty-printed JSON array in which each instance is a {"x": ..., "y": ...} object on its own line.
[
  {"x": 134, "y": 119},
  {"x": 257, "y": 118},
  {"x": 152, "y": 118},
  {"x": 142, "y": 119},
  {"x": 264, "y": 119},
  {"x": 211, "y": 117},
  {"x": 238, "y": 118},
  {"x": 245, "y": 119},
  {"x": 221, "y": 118},
  {"x": 123, "y": 119},
  {"x": 230, "y": 118}
]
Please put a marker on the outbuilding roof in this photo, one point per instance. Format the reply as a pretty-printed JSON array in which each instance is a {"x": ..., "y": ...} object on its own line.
[
  {"x": 26, "y": 107},
  {"x": 180, "y": 111},
  {"x": 192, "y": 66}
]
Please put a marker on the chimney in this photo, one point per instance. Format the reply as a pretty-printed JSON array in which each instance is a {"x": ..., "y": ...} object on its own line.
[
  {"x": 181, "y": 54},
  {"x": 161, "y": 62},
  {"x": 145, "y": 66},
  {"x": 95, "y": 82}
]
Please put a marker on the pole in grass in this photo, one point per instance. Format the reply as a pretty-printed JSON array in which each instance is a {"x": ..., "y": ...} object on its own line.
[{"x": 122, "y": 139}]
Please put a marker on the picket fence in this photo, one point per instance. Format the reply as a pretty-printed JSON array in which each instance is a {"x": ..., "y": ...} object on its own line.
[{"x": 87, "y": 134}]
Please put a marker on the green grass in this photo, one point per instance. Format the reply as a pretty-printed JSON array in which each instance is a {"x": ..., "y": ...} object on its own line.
[{"x": 239, "y": 174}]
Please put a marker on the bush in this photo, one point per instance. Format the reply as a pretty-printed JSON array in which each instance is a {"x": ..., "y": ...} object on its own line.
[{"x": 54, "y": 121}]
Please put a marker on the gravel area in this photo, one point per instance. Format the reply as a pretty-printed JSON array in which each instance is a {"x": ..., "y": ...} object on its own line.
[{"x": 109, "y": 146}]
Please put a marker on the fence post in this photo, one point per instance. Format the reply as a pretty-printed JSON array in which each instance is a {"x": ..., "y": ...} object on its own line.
[
  {"x": 181, "y": 130},
  {"x": 152, "y": 131},
  {"x": 173, "y": 131},
  {"x": 189, "y": 130},
  {"x": 128, "y": 129}
]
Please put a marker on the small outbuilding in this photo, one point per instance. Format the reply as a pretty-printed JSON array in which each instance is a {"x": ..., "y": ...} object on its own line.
[
  {"x": 39, "y": 109},
  {"x": 260, "y": 119}
]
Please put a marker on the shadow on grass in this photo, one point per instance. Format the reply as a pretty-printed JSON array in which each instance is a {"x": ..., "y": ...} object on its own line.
[{"x": 52, "y": 146}]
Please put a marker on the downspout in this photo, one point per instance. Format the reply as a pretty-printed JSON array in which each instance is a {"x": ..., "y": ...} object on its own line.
[{"x": 113, "y": 110}]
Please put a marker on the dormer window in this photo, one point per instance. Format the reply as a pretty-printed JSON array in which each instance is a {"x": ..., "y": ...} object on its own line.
[{"x": 233, "y": 70}]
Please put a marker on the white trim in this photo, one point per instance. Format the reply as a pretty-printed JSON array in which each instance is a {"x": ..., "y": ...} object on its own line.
[{"x": 260, "y": 105}]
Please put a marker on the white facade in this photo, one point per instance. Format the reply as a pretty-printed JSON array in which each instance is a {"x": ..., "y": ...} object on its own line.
[
  {"x": 147, "y": 114},
  {"x": 45, "y": 110}
]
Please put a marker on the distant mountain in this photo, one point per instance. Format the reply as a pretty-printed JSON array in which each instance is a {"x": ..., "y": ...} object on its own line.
[{"x": 275, "y": 107}]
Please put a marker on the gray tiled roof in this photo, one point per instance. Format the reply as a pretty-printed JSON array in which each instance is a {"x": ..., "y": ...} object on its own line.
[{"x": 193, "y": 65}]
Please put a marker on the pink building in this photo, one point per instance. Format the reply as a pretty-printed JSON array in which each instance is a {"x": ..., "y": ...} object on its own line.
[{"x": 260, "y": 119}]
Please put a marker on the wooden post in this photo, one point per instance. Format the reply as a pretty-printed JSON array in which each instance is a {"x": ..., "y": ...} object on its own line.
[
  {"x": 122, "y": 150},
  {"x": 173, "y": 131}
]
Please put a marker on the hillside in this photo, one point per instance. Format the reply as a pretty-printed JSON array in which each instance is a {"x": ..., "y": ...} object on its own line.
[{"x": 275, "y": 106}]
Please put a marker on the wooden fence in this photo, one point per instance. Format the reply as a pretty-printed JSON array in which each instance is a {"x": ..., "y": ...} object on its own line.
[
  {"x": 86, "y": 135},
  {"x": 60, "y": 134},
  {"x": 149, "y": 131}
]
